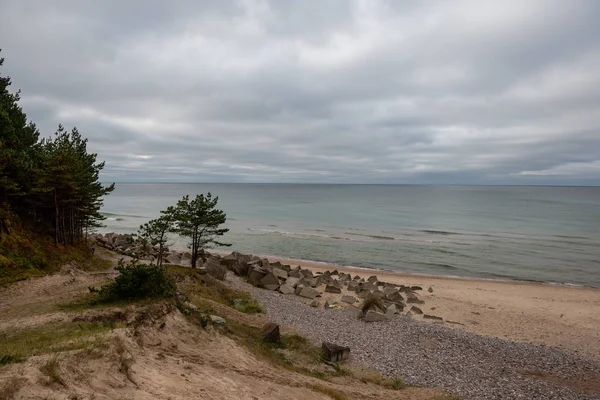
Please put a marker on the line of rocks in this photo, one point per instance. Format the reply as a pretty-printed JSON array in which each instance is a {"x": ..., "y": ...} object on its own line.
[{"x": 387, "y": 298}]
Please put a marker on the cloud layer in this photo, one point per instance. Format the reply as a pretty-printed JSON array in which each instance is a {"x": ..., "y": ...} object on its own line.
[{"x": 324, "y": 91}]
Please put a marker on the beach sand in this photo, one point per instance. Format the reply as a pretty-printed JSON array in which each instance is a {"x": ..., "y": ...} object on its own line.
[{"x": 553, "y": 315}]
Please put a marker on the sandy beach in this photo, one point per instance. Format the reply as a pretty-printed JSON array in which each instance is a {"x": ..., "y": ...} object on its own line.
[{"x": 553, "y": 315}]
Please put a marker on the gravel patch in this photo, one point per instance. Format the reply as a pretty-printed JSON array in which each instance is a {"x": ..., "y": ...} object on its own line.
[{"x": 424, "y": 354}]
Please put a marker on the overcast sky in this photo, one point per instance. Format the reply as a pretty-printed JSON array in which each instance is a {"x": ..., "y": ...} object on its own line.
[{"x": 474, "y": 92}]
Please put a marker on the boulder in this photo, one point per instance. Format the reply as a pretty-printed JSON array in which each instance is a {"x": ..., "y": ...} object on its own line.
[
  {"x": 270, "y": 333},
  {"x": 389, "y": 290},
  {"x": 315, "y": 303},
  {"x": 279, "y": 273},
  {"x": 307, "y": 273},
  {"x": 372, "y": 279},
  {"x": 333, "y": 289},
  {"x": 331, "y": 352},
  {"x": 378, "y": 294},
  {"x": 293, "y": 282},
  {"x": 298, "y": 289},
  {"x": 349, "y": 299},
  {"x": 308, "y": 292},
  {"x": 270, "y": 281},
  {"x": 173, "y": 258},
  {"x": 316, "y": 281},
  {"x": 374, "y": 316},
  {"x": 286, "y": 289},
  {"x": 295, "y": 274},
  {"x": 391, "y": 310},
  {"x": 354, "y": 312},
  {"x": 412, "y": 298},
  {"x": 241, "y": 268},
  {"x": 416, "y": 310},
  {"x": 369, "y": 286},
  {"x": 229, "y": 261},
  {"x": 415, "y": 288},
  {"x": 215, "y": 270},
  {"x": 396, "y": 296},
  {"x": 353, "y": 286},
  {"x": 255, "y": 274},
  {"x": 363, "y": 294},
  {"x": 265, "y": 263}
]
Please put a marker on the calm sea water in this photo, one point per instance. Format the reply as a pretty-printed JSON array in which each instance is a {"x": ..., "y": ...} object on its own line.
[{"x": 549, "y": 234}]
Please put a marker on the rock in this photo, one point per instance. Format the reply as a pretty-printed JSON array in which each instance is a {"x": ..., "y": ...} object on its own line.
[
  {"x": 255, "y": 274},
  {"x": 391, "y": 310},
  {"x": 333, "y": 289},
  {"x": 298, "y": 289},
  {"x": 430, "y": 290},
  {"x": 334, "y": 272},
  {"x": 307, "y": 273},
  {"x": 295, "y": 274},
  {"x": 349, "y": 299},
  {"x": 354, "y": 312},
  {"x": 215, "y": 319},
  {"x": 270, "y": 281},
  {"x": 378, "y": 294},
  {"x": 286, "y": 289},
  {"x": 241, "y": 268},
  {"x": 334, "y": 353},
  {"x": 390, "y": 291},
  {"x": 433, "y": 317},
  {"x": 372, "y": 279},
  {"x": 293, "y": 282},
  {"x": 270, "y": 333},
  {"x": 374, "y": 316},
  {"x": 395, "y": 297},
  {"x": 316, "y": 281},
  {"x": 363, "y": 294},
  {"x": 326, "y": 305},
  {"x": 413, "y": 299},
  {"x": 215, "y": 270},
  {"x": 265, "y": 263},
  {"x": 308, "y": 292},
  {"x": 353, "y": 286},
  {"x": 416, "y": 310},
  {"x": 173, "y": 258},
  {"x": 416, "y": 288},
  {"x": 229, "y": 261},
  {"x": 369, "y": 286},
  {"x": 279, "y": 273},
  {"x": 315, "y": 303}
]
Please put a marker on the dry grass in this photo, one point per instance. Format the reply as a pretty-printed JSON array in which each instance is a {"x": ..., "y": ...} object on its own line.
[
  {"x": 51, "y": 369},
  {"x": 377, "y": 379},
  {"x": 334, "y": 394},
  {"x": 17, "y": 345}
]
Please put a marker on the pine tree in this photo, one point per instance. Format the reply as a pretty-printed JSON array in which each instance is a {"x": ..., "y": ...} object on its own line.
[
  {"x": 155, "y": 233},
  {"x": 199, "y": 220}
]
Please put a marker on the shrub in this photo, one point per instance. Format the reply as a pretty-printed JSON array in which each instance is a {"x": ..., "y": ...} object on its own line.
[{"x": 137, "y": 281}]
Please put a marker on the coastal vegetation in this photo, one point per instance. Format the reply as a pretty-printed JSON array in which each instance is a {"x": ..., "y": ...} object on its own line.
[{"x": 49, "y": 188}]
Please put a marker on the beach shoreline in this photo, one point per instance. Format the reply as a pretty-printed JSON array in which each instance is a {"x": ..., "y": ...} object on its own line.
[{"x": 561, "y": 316}]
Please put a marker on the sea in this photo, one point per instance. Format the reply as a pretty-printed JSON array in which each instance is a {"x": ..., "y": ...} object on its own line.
[{"x": 528, "y": 233}]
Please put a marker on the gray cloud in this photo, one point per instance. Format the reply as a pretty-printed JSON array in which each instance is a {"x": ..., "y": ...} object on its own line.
[{"x": 329, "y": 91}]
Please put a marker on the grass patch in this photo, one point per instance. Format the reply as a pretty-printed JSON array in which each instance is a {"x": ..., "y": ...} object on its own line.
[
  {"x": 376, "y": 379},
  {"x": 212, "y": 289},
  {"x": 334, "y": 394},
  {"x": 17, "y": 345},
  {"x": 51, "y": 369}
]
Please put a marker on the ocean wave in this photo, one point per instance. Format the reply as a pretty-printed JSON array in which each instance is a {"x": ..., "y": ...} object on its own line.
[
  {"x": 302, "y": 234},
  {"x": 371, "y": 236},
  {"x": 436, "y": 232},
  {"x": 440, "y": 265}
]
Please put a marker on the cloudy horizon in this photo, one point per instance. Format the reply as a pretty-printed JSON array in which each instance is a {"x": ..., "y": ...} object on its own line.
[{"x": 442, "y": 92}]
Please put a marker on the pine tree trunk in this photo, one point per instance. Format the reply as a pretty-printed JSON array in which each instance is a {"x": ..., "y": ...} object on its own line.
[{"x": 55, "y": 218}]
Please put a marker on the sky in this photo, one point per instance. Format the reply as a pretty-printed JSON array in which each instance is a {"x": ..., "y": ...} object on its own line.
[{"x": 328, "y": 91}]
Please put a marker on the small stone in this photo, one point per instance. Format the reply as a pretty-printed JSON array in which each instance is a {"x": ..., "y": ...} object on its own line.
[
  {"x": 416, "y": 310},
  {"x": 433, "y": 317},
  {"x": 215, "y": 319},
  {"x": 349, "y": 299},
  {"x": 430, "y": 290},
  {"x": 315, "y": 303}
]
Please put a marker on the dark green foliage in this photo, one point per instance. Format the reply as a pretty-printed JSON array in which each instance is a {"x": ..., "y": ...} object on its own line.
[
  {"x": 137, "y": 281},
  {"x": 48, "y": 186},
  {"x": 199, "y": 220},
  {"x": 154, "y": 233}
]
